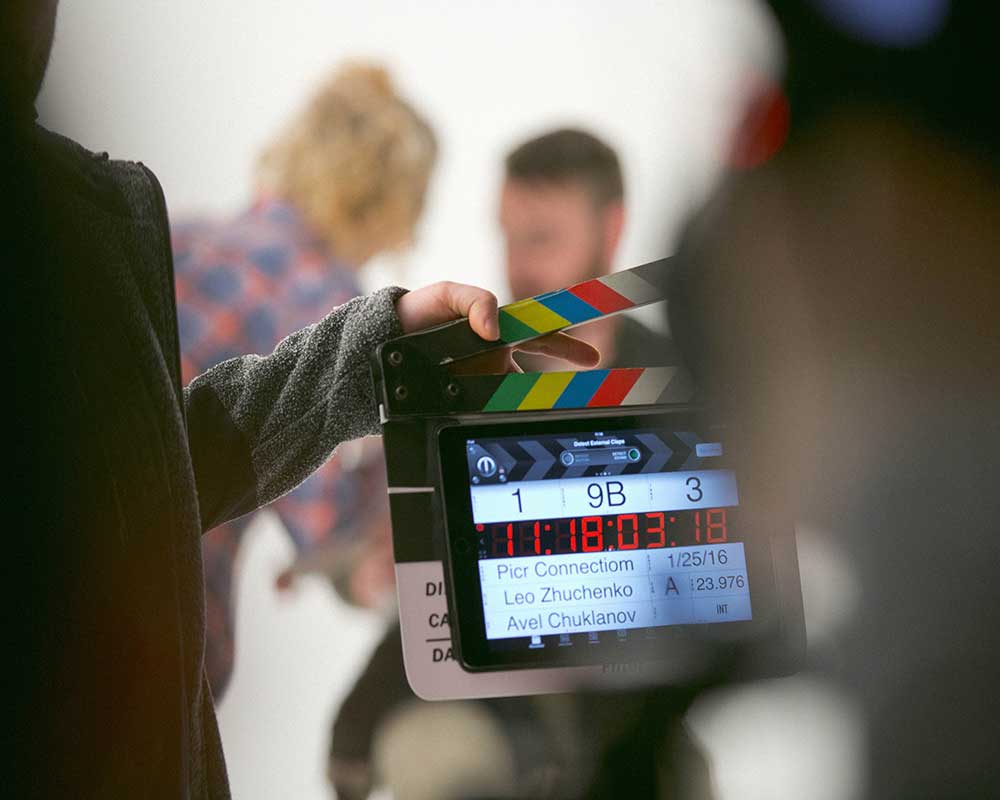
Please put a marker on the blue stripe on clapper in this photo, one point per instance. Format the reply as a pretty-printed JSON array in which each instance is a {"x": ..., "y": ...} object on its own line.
[
  {"x": 581, "y": 389},
  {"x": 568, "y": 305}
]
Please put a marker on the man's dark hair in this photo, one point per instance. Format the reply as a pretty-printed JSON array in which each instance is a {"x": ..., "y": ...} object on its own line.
[{"x": 570, "y": 155}]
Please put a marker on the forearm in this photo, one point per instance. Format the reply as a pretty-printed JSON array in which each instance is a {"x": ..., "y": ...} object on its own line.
[{"x": 260, "y": 425}]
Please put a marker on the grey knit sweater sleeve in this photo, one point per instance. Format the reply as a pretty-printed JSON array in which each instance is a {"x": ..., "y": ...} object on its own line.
[{"x": 259, "y": 425}]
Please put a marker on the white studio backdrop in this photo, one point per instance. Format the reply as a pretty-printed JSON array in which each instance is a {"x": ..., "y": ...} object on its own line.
[{"x": 194, "y": 89}]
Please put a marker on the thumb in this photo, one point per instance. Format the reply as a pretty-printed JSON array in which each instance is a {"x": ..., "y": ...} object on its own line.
[
  {"x": 479, "y": 305},
  {"x": 443, "y": 302}
]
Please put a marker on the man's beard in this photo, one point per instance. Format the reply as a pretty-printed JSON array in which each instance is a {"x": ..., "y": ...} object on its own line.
[{"x": 597, "y": 266}]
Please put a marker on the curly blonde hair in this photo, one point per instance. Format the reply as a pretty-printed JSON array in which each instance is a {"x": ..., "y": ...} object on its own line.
[{"x": 356, "y": 163}]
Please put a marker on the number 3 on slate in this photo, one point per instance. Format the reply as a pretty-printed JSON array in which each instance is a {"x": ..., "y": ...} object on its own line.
[
  {"x": 517, "y": 494},
  {"x": 694, "y": 484}
]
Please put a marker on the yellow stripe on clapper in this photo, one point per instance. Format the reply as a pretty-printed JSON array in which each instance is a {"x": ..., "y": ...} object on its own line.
[
  {"x": 536, "y": 316},
  {"x": 546, "y": 391}
]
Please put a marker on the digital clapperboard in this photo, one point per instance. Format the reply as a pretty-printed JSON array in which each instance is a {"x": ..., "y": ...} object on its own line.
[{"x": 561, "y": 530}]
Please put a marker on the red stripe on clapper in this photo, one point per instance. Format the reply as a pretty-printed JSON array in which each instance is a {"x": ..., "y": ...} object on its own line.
[
  {"x": 614, "y": 388},
  {"x": 602, "y": 297}
]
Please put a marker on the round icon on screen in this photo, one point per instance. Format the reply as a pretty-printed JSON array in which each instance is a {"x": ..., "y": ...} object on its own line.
[
  {"x": 633, "y": 454},
  {"x": 567, "y": 458},
  {"x": 487, "y": 466}
]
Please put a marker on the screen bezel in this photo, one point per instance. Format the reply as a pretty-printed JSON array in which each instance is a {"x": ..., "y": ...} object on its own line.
[{"x": 476, "y": 653}]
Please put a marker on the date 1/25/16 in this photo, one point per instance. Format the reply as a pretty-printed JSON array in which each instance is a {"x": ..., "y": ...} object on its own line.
[{"x": 644, "y": 531}]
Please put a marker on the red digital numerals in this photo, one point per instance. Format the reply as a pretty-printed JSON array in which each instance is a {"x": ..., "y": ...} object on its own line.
[{"x": 615, "y": 532}]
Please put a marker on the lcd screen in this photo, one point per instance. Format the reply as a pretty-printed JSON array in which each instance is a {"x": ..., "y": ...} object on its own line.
[{"x": 578, "y": 538}]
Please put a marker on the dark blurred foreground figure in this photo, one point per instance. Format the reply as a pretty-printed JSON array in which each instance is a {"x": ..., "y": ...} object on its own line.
[
  {"x": 118, "y": 469},
  {"x": 842, "y": 303}
]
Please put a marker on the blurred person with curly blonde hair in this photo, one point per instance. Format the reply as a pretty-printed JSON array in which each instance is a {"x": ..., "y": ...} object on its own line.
[
  {"x": 344, "y": 181},
  {"x": 355, "y": 164}
]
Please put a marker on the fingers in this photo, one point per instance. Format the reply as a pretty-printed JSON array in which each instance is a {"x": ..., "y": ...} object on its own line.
[
  {"x": 446, "y": 301},
  {"x": 443, "y": 302},
  {"x": 479, "y": 305},
  {"x": 512, "y": 365},
  {"x": 495, "y": 362},
  {"x": 555, "y": 345},
  {"x": 564, "y": 346}
]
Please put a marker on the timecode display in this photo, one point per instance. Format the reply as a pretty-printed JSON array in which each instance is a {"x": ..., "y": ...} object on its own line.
[{"x": 641, "y": 531}]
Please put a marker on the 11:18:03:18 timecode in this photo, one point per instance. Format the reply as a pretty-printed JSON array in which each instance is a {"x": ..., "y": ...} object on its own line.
[{"x": 591, "y": 534}]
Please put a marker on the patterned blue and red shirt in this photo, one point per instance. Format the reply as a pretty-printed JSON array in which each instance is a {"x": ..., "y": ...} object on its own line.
[{"x": 242, "y": 286}]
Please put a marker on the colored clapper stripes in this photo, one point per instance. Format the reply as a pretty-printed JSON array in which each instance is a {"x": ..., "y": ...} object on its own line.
[
  {"x": 550, "y": 312},
  {"x": 600, "y": 388}
]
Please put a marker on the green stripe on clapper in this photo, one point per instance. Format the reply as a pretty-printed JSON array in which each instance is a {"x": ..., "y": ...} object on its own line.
[
  {"x": 512, "y": 391},
  {"x": 513, "y": 330}
]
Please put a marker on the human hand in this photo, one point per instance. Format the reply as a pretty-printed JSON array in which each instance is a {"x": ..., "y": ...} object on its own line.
[{"x": 445, "y": 301}]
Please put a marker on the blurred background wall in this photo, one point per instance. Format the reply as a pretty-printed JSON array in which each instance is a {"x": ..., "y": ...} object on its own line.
[{"x": 194, "y": 89}]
